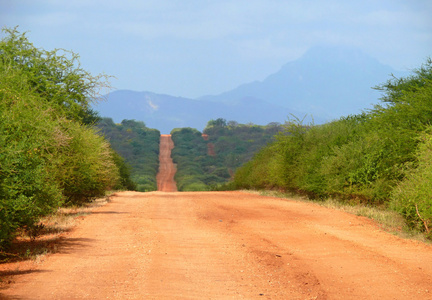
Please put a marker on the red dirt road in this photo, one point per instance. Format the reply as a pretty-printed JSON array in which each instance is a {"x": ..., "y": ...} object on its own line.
[
  {"x": 223, "y": 245},
  {"x": 165, "y": 177}
]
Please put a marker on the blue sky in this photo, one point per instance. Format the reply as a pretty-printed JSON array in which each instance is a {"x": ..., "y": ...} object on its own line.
[{"x": 193, "y": 48}]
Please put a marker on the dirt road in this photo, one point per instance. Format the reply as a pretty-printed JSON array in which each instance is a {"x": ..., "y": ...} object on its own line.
[
  {"x": 165, "y": 177},
  {"x": 223, "y": 245}
]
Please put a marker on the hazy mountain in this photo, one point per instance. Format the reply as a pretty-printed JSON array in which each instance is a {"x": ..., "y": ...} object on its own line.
[
  {"x": 325, "y": 83},
  {"x": 166, "y": 112}
]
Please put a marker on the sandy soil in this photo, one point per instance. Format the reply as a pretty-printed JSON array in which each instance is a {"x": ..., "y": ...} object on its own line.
[{"x": 223, "y": 245}]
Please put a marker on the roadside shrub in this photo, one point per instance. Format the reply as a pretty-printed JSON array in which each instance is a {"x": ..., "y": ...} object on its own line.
[
  {"x": 356, "y": 158},
  {"x": 412, "y": 197},
  {"x": 145, "y": 183},
  {"x": 47, "y": 156},
  {"x": 28, "y": 189},
  {"x": 56, "y": 76},
  {"x": 88, "y": 164},
  {"x": 125, "y": 182},
  {"x": 192, "y": 184},
  {"x": 262, "y": 172}
]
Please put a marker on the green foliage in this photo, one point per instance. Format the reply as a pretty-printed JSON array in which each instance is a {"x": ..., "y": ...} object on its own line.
[
  {"x": 190, "y": 156},
  {"x": 396, "y": 89},
  {"x": 55, "y": 75},
  {"x": 234, "y": 144},
  {"x": 139, "y": 146},
  {"x": 125, "y": 181},
  {"x": 90, "y": 167},
  {"x": 204, "y": 164},
  {"x": 27, "y": 146},
  {"x": 357, "y": 158},
  {"x": 412, "y": 196},
  {"x": 47, "y": 157},
  {"x": 342, "y": 158},
  {"x": 254, "y": 174}
]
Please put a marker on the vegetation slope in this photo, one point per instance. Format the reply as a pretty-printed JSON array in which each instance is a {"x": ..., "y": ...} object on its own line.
[
  {"x": 381, "y": 157},
  {"x": 206, "y": 162},
  {"x": 50, "y": 155},
  {"x": 139, "y": 146}
]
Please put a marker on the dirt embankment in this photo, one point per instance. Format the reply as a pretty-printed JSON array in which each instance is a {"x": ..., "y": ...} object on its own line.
[{"x": 222, "y": 245}]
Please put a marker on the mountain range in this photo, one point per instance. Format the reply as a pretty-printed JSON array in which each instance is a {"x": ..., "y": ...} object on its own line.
[{"x": 324, "y": 84}]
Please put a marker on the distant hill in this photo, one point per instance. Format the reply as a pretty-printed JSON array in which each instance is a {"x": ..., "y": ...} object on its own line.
[
  {"x": 165, "y": 112},
  {"x": 325, "y": 83}
]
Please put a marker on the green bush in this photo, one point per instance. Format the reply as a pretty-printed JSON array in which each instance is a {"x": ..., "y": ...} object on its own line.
[
  {"x": 412, "y": 197},
  {"x": 27, "y": 160},
  {"x": 88, "y": 161},
  {"x": 55, "y": 75},
  {"x": 359, "y": 158},
  {"x": 125, "y": 182},
  {"x": 47, "y": 156}
]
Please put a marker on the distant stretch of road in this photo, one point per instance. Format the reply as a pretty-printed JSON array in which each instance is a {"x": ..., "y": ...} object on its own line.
[{"x": 165, "y": 177}]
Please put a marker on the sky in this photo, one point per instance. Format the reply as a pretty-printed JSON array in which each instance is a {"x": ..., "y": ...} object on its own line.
[{"x": 192, "y": 48}]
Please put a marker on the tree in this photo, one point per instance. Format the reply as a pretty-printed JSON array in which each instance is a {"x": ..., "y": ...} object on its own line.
[
  {"x": 220, "y": 122},
  {"x": 55, "y": 75},
  {"x": 395, "y": 88},
  {"x": 48, "y": 156},
  {"x": 139, "y": 146}
]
